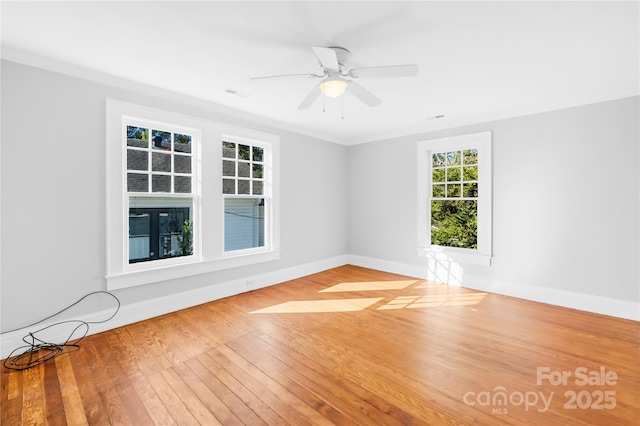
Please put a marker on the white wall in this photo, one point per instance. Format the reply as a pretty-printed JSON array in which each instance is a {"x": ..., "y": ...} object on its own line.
[
  {"x": 565, "y": 205},
  {"x": 53, "y": 195}
]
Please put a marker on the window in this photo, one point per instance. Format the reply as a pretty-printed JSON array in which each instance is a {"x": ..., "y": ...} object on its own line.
[
  {"x": 160, "y": 190},
  {"x": 159, "y": 233},
  {"x": 244, "y": 174},
  {"x": 186, "y": 196},
  {"x": 454, "y": 197}
]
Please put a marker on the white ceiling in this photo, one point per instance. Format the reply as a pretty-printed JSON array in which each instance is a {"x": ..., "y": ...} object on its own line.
[{"x": 478, "y": 60}]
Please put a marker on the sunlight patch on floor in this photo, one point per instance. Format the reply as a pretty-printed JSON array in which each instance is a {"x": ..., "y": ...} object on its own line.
[
  {"x": 311, "y": 306},
  {"x": 370, "y": 286},
  {"x": 430, "y": 284},
  {"x": 430, "y": 301}
]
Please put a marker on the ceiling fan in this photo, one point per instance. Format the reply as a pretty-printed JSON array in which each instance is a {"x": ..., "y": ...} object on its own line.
[{"x": 338, "y": 78}]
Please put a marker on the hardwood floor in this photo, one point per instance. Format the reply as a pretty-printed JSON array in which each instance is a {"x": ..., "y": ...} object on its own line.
[{"x": 346, "y": 346}]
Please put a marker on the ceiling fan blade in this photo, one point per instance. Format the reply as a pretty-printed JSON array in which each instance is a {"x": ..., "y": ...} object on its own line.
[
  {"x": 310, "y": 98},
  {"x": 277, "y": 77},
  {"x": 386, "y": 71},
  {"x": 327, "y": 57},
  {"x": 363, "y": 94}
]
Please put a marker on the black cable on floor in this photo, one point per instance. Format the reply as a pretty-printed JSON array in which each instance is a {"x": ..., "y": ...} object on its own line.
[{"x": 37, "y": 351}]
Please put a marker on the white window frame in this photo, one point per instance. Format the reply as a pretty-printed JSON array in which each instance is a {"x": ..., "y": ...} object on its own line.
[
  {"x": 482, "y": 142},
  {"x": 208, "y": 245},
  {"x": 150, "y": 197}
]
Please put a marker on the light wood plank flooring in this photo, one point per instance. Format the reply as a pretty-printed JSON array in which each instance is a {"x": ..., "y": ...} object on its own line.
[{"x": 346, "y": 346}]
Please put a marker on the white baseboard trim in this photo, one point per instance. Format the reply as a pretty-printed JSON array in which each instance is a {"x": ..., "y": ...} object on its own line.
[
  {"x": 580, "y": 301},
  {"x": 416, "y": 271},
  {"x": 140, "y": 311}
]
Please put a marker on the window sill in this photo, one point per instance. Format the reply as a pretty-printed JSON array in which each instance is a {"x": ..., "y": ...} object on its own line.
[
  {"x": 455, "y": 255},
  {"x": 169, "y": 272}
]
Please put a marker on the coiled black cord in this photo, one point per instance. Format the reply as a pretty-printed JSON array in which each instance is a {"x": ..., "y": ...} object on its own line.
[{"x": 38, "y": 351}]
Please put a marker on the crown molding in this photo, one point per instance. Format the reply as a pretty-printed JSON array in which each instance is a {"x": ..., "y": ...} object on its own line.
[
  {"x": 49, "y": 64},
  {"x": 46, "y": 63}
]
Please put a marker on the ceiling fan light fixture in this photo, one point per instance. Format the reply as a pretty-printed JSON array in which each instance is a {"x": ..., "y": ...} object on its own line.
[{"x": 334, "y": 88}]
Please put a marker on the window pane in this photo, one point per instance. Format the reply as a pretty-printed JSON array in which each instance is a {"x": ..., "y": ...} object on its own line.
[
  {"x": 159, "y": 232},
  {"x": 470, "y": 173},
  {"x": 258, "y": 154},
  {"x": 137, "y": 160},
  {"x": 470, "y": 156},
  {"x": 244, "y": 169},
  {"x": 182, "y": 184},
  {"x": 228, "y": 150},
  {"x": 243, "y": 223},
  {"x": 453, "y": 175},
  {"x": 257, "y": 171},
  {"x": 228, "y": 186},
  {"x": 438, "y": 159},
  {"x": 244, "y": 187},
  {"x": 137, "y": 182},
  {"x": 470, "y": 190},
  {"x": 138, "y": 137},
  {"x": 257, "y": 187},
  {"x": 438, "y": 191},
  {"x": 228, "y": 168},
  {"x": 453, "y": 190},
  {"x": 182, "y": 143},
  {"x": 161, "y": 162},
  {"x": 139, "y": 232},
  {"x": 438, "y": 175},
  {"x": 454, "y": 223},
  {"x": 182, "y": 163},
  {"x": 161, "y": 183},
  {"x": 161, "y": 140},
  {"x": 453, "y": 158},
  {"x": 243, "y": 152}
]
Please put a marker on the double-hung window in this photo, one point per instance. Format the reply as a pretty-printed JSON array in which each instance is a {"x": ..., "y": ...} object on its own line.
[
  {"x": 186, "y": 195},
  {"x": 246, "y": 193},
  {"x": 161, "y": 192},
  {"x": 454, "y": 197}
]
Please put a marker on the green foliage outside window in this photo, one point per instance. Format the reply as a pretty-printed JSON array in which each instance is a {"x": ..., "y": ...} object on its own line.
[
  {"x": 185, "y": 239},
  {"x": 454, "y": 223},
  {"x": 454, "y": 199}
]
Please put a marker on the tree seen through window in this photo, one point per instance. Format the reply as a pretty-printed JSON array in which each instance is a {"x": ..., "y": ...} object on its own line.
[{"x": 454, "y": 198}]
